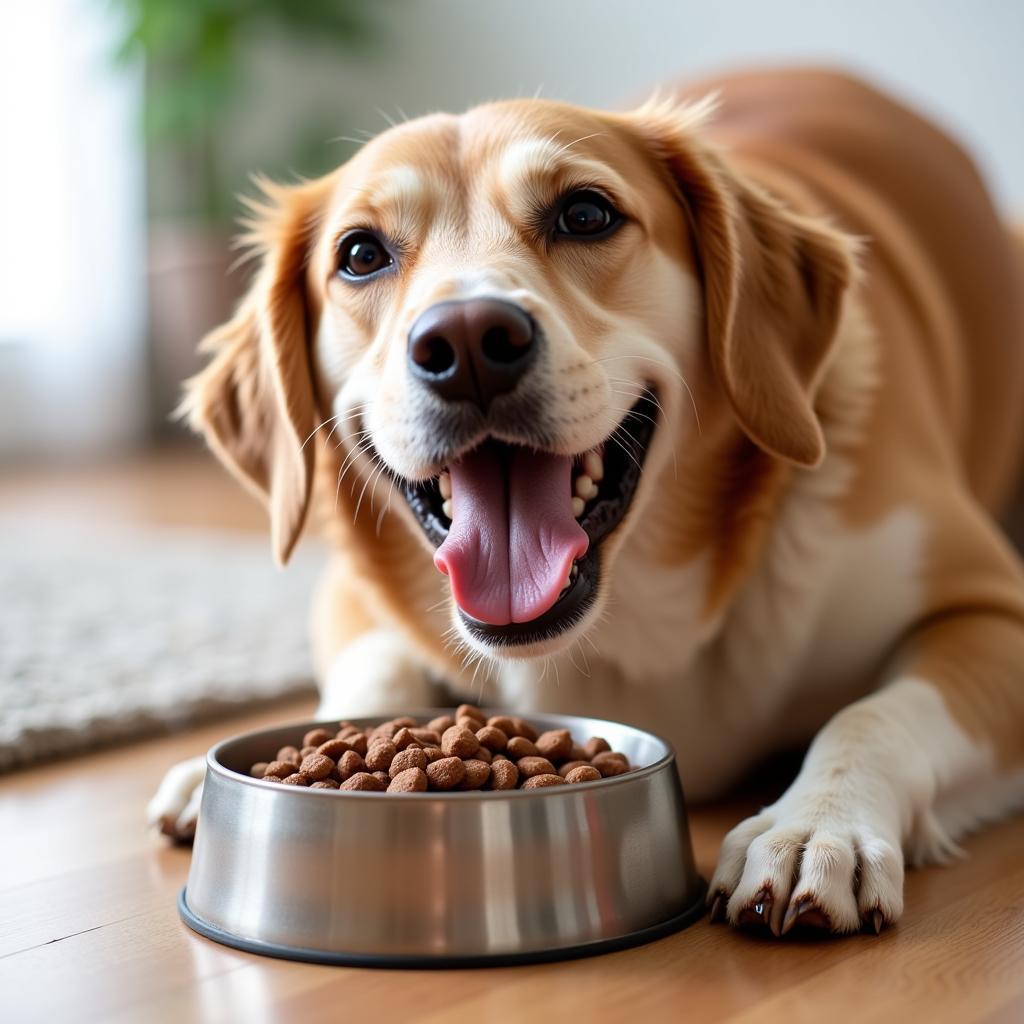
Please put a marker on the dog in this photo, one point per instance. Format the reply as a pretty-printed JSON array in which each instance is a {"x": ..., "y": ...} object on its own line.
[{"x": 700, "y": 417}]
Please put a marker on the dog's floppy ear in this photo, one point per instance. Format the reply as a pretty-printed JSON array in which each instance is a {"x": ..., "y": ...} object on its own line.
[
  {"x": 254, "y": 402},
  {"x": 774, "y": 283}
]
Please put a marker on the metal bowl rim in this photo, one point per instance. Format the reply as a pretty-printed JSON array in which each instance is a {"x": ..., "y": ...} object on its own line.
[{"x": 214, "y": 765}]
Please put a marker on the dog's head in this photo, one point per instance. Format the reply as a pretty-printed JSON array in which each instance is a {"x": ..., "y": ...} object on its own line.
[{"x": 515, "y": 316}]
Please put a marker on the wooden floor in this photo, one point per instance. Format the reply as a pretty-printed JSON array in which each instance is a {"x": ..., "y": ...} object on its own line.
[{"x": 89, "y": 930}]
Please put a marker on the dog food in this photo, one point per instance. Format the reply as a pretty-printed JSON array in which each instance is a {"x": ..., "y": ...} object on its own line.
[{"x": 461, "y": 751}]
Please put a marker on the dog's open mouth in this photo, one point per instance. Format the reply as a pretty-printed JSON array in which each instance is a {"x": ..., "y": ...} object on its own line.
[{"x": 517, "y": 531}]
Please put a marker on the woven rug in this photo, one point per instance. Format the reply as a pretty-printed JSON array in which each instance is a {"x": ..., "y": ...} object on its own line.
[{"x": 107, "y": 636}]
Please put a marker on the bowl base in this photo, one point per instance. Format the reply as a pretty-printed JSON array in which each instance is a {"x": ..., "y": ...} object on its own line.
[{"x": 414, "y": 962}]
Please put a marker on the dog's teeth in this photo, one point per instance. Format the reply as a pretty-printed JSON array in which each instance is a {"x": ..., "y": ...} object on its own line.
[
  {"x": 444, "y": 483},
  {"x": 446, "y": 508},
  {"x": 578, "y": 505},
  {"x": 585, "y": 488},
  {"x": 574, "y": 571},
  {"x": 593, "y": 466}
]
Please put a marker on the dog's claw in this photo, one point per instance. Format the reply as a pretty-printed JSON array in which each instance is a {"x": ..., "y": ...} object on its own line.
[
  {"x": 877, "y": 920},
  {"x": 763, "y": 903},
  {"x": 758, "y": 911},
  {"x": 718, "y": 908},
  {"x": 807, "y": 913}
]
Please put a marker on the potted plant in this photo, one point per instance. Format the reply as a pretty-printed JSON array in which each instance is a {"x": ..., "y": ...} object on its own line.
[{"x": 198, "y": 61}]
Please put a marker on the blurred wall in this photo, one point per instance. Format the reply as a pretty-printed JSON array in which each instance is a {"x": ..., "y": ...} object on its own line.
[
  {"x": 960, "y": 61},
  {"x": 75, "y": 370}
]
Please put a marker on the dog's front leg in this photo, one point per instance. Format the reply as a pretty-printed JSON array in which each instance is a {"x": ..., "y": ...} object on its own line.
[
  {"x": 895, "y": 777},
  {"x": 377, "y": 672}
]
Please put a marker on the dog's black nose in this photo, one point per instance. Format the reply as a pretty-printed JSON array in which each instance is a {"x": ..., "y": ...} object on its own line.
[{"x": 472, "y": 350}]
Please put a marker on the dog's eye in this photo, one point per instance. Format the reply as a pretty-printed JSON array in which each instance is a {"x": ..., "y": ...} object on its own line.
[
  {"x": 361, "y": 254},
  {"x": 586, "y": 214}
]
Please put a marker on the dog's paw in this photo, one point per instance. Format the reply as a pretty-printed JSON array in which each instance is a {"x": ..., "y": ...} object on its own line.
[
  {"x": 174, "y": 808},
  {"x": 808, "y": 862}
]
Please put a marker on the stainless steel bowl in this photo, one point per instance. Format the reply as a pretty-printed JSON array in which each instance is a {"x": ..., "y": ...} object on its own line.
[{"x": 442, "y": 879}]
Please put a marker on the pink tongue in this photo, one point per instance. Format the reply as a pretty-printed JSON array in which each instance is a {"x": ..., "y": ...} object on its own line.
[{"x": 508, "y": 553}]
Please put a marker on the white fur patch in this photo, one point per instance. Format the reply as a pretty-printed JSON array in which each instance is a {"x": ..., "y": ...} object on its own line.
[
  {"x": 377, "y": 673},
  {"x": 402, "y": 187},
  {"x": 874, "y": 589},
  {"x": 527, "y": 163}
]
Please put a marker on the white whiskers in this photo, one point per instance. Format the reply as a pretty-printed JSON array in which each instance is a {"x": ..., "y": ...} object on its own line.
[{"x": 670, "y": 369}]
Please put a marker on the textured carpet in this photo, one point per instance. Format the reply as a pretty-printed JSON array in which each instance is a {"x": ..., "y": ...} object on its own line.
[{"x": 109, "y": 636}]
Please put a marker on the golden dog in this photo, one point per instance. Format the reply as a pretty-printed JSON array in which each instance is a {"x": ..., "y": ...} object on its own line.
[{"x": 696, "y": 418}]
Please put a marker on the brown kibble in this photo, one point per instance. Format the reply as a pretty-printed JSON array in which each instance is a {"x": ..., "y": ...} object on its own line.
[
  {"x": 520, "y": 746},
  {"x": 540, "y": 781},
  {"x": 530, "y": 766},
  {"x": 524, "y": 729},
  {"x": 316, "y": 766},
  {"x": 505, "y": 724},
  {"x": 477, "y": 773},
  {"x": 363, "y": 782},
  {"x": 334, "y": 748},
  {"x": 427, "y": 737},
  {"x": 464, "y": 750},
  {"x": 403, "y": 738},
  {"x": 315, "y": 737},
  {"x": 411, "y": 757},
  {"x": 446, "y": 773},
  {"x": 459, "y": 742},
  {"x": 470, "y": 711},
  {"x": 504, "y": 775},
  {"x": 555, "y": 744},
  {"x": 609, "y": 763},
  {"x": 350, "y": 764},
  {"x": 441, "y": 724},
  {"x": 380, "y": 755},
  {"x": 492, "y": 738},
  {"x": 412, "y": 780}
]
